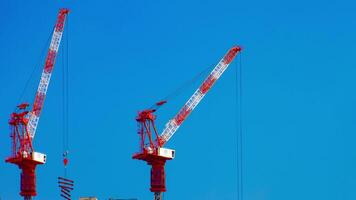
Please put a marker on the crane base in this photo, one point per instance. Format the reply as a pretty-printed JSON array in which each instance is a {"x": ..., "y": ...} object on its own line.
[
  {"x": 28, "y": 175},
  {"x": 158, "y": 176}
]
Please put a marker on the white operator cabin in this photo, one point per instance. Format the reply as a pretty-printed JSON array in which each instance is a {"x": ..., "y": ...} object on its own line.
[
  {"x": 167, "y": 153},
  {"x": 39, "y": 157}
]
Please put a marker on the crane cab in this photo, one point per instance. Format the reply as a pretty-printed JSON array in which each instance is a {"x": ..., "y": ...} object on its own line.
[
  {"x": 167, "y": 153},
  {"x": 39, "y": 157}
]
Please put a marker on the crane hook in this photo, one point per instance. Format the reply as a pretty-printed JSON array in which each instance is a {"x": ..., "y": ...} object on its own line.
[{"x": 65, "y": 158}]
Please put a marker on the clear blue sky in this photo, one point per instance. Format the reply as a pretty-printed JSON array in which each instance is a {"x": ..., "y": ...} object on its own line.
[{"x": 299, "y": 104}]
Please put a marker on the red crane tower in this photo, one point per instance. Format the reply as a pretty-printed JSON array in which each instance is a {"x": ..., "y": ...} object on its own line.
[
  {"x": 153, "y": 152},
  {"x": 23, "y": 123}
]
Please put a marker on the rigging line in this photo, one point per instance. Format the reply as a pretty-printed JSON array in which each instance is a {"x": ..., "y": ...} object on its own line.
[
  {"x": 63, "y": 106},
  {"x": 67, "y": 89},
  {"x": 34, "y": 69},
  {"x": 63, "y": 99},
  {"x": 186, "y": 84},
  {"x": 67, "y": 86},
  {"x": 67, "y": 96},
  {"x": 65, "y": 93},
  {"x": 241, "y": 130},
  {"x": 237, "y": 129}
]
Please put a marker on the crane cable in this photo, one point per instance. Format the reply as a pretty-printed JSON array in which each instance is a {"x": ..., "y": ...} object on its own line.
[
  {"x": 239, "y": 128},
  {"x": 186, "y": 84},
  {"x": 182, "y": 87},
  {"x": 65, "y": 97},
  {"x": 65, "y": 184},
  {"x": 35, "y": 67}
]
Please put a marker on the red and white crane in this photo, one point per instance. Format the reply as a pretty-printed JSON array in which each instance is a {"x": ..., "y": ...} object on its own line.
[
  {"x": 153, "y": 152},
  {"x": 24, "y": 123}
]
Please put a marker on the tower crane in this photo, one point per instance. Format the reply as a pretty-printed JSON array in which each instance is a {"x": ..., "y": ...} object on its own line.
[
  {"x": 24, "y": 123},
  {"x": 153, "y": 151}
]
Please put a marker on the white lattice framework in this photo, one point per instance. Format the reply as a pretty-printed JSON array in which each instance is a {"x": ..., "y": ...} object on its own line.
[
  {"x": 172, "y": 126},
  {"x": 34, "y": 115}
]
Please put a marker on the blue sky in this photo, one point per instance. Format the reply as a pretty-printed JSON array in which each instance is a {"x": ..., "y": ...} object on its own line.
[{"x": 298, "y": 104}]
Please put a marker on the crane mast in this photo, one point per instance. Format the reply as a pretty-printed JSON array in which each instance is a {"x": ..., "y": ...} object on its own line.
[
  {"x": 23, "y": 123},
  {"x": 153, "y": 152}
]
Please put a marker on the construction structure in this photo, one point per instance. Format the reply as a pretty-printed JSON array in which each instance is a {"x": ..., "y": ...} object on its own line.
[
  {"x": 66, "y": 186},
  {"x": 153, "y": 151},
  {"x": 24, "y": 123}
]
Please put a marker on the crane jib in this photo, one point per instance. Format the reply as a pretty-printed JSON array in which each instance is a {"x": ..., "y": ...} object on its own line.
[
  {"x": 46, "y": 73},
  {"x": 173, "y": 125}
]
